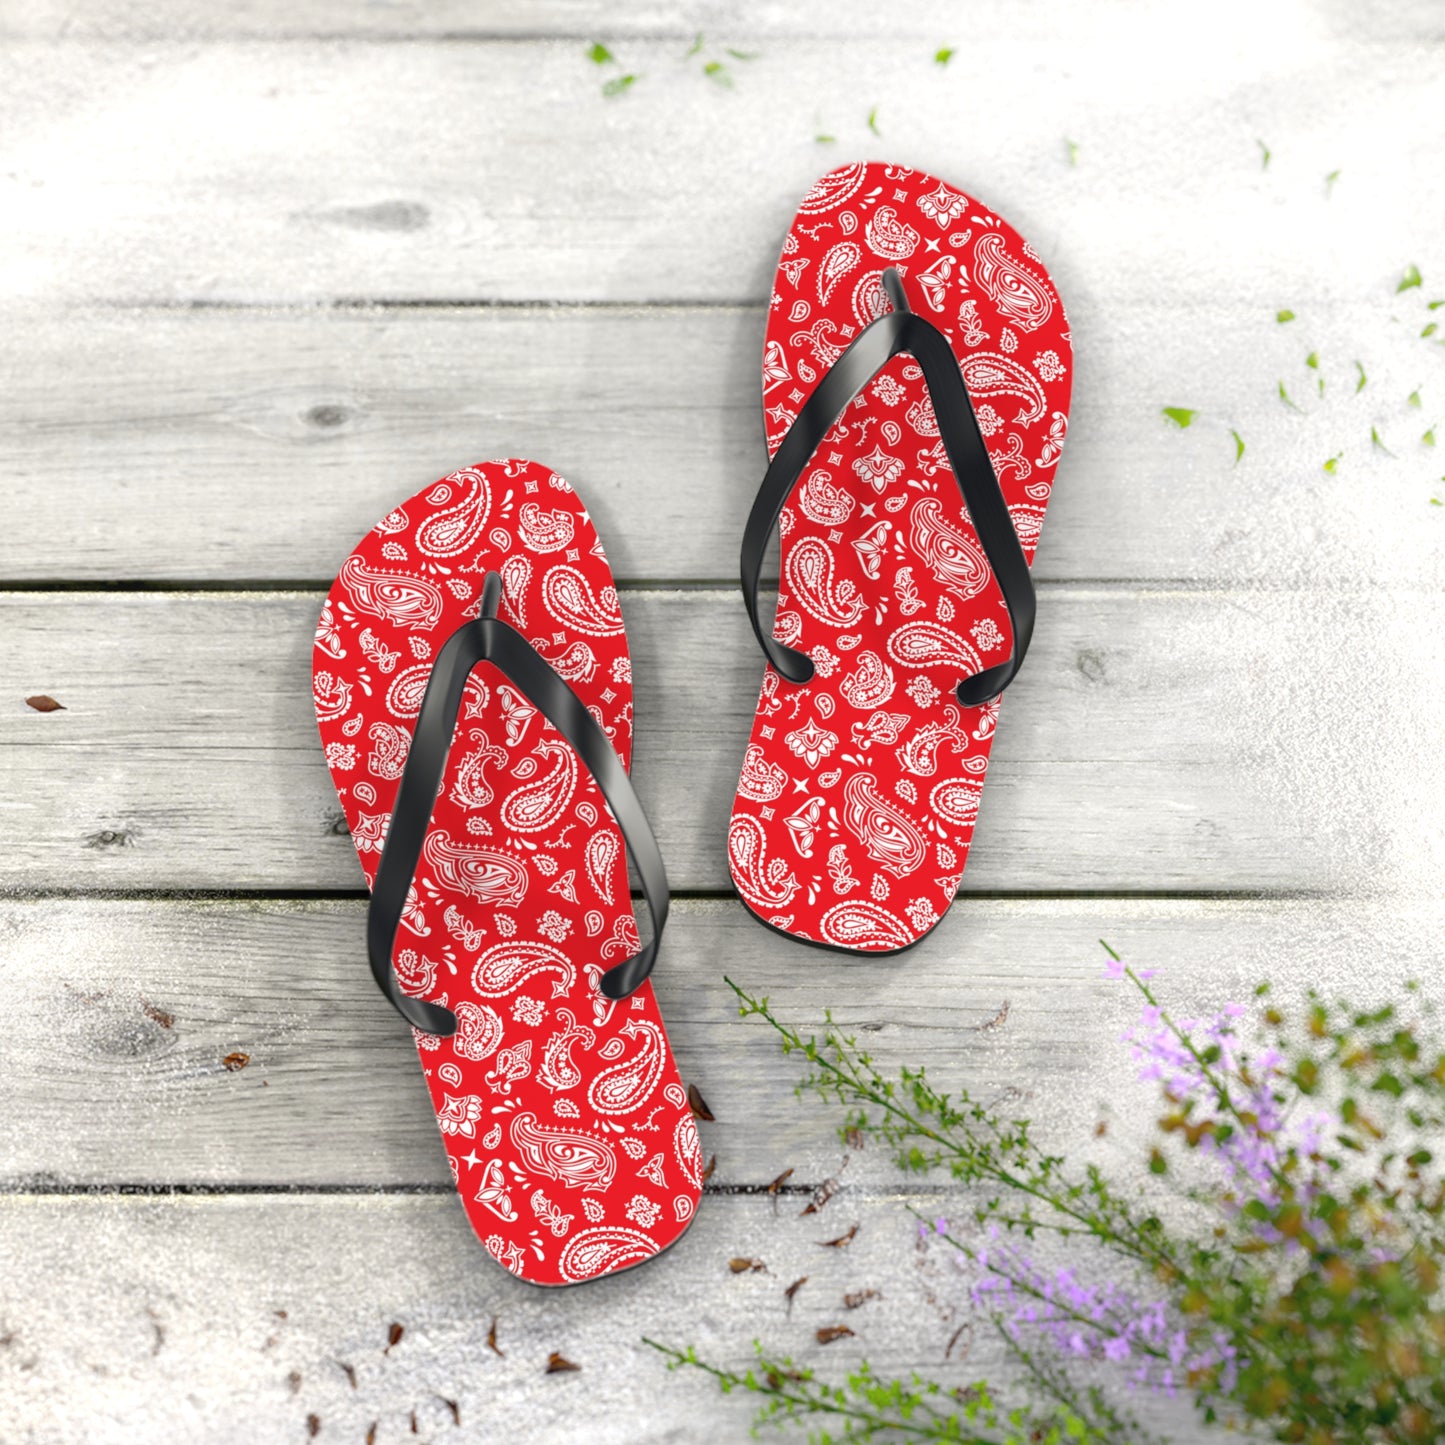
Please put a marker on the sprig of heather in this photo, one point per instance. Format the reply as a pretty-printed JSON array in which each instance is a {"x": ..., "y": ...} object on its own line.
[
  {"x": 927, "y": 1129},
  {"x": 867, "y": 1406}
]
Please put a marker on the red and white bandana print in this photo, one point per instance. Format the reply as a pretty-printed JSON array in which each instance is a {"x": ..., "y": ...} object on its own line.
[
  {"x": 859, "y": 789},
  {"x": 567, "y": 1128}
]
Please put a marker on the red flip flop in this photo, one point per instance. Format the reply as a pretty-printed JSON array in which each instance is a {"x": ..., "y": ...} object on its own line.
[
  {"x": 916, "y": 378},
  {"x": 484, "y": 780}
]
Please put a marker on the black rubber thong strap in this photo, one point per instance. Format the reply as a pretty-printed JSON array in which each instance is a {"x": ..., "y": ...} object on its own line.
[
  {"x": 871, "y": 350},
  {"x": 489, "y": 639}
]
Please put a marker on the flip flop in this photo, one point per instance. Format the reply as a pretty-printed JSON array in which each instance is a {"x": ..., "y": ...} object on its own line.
[
  {"x": 916, "y": 377},
  {"x": 484, "y": 780}
]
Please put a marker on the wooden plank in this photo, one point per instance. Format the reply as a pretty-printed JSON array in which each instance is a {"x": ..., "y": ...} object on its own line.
[
  {"x": 220, "y": 446},
  {"x": 114, "y": 1076},
  {"x": 179, "y": 172},
  {"x": 226, "y": 1319},
  {"x": 474, "y": 19},
  {"x": 934, "y": 21},
  {"x": 1156, "y": 740}
]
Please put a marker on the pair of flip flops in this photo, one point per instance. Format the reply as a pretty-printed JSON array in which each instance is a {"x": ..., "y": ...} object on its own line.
[{"x": 474, "y": 694}]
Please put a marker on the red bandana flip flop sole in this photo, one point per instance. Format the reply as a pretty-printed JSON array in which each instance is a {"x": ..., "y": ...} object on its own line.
[
  {"x": 568, "y": 1131},
  {"x": 860, "y": 787}
]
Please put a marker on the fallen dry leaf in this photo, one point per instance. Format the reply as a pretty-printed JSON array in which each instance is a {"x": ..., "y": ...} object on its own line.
[
  {"x": 349, "y": 1371},
  {"x": 821, "y": 1195},
  {"x": 234, "y": 1063},
  {"x": 778, "y": 1183},
  {"x": 825, "y": 1191},
  {"x": 854, "y": 1137},
  {"x": 41, "y": 703},
  {"x": 842, "y": 1239},
  {"x": 829, "y": 1333},
  {"x": 711, "y": 1165},
  {"x": 559, "y": 1364},
  {"x": 953, "y": 1340},
  {"x": 492, "y": 1344},
  {"x": 776, "y": 1377},
  {"x": 313, "y": 1425},
  {"x": 1100, "y": 1129},
  {"x": 414, "y": 1430},
  {"x": 739, "y": 1265},
  {"x": 157, "y": 1015},
  {"x": 454, "y": 1408},
  {"x": 393, "y": 1337},
  {"x": 294, "y": 1380},
  {"x": 371, "y": 1433},
  {"x": 792, "y": 1289},
  {"x": 996, "y": 1022},
  {"x": 698, "y": 1104},
  {"x": 859, "y": 1297}
]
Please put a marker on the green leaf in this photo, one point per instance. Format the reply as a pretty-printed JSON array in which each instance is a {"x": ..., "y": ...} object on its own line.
[
  {"x": 1330, "y": 183},
  {"x": 1409, "y": 279},
  {"x": 1283, "y": 316},
  {"x": 1073, "y": 149},
  {"x": 618, "y": 84},
  {"x": 825, "y": 140},
  {"x": 600, "y": 54},
  {"x": 717, "y": 71},
  {"x": 1377, "y": 440},
  {"x": 1332, "y": 466},
  {"x": 1158, "y": 1164},
  {"x": 1264, "y": 154},
  {"x": 694, "y": 47},
  {"x": 1313, "y": 361},
  {"x": 1238, "y": 445},
  {"x": 1414, "y": 397},
  {"x": 1429, "y": 438},
  {"x": 1181, "y": 416},
  {"x": 943, "y": 56},
  {"x": 1431, "y": 329},
  {"x": 1284, "y": 396},
  {"x": 873, "y": 121},
  {"x": 1360, "y": 384},
  {"x": 743, "y": 54}
]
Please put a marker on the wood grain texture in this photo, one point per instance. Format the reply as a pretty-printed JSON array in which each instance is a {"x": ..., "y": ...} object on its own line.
[
  {"x": 253, "y": 172},
  {"x": 479, "y": 19},
  {"x": 119, "y": 1079},
  {"x": 934, "y": 22},
  {"x": 1157, "y": 740},
  {"x": 230, "y": 1319},
  {"x": 239, "y": 446}
]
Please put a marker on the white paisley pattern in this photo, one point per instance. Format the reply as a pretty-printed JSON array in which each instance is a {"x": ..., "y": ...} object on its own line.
[
  {"x": 860, "y": 788},
  {"x": 568, "y": 1131}
]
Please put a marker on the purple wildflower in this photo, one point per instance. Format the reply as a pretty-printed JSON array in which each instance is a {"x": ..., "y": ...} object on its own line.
[{"x": 1095, "y": 1321}]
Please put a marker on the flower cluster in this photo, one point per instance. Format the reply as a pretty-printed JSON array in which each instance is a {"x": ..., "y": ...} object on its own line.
[
  {"x": 1301, "y": 1295},
  {"x": 1096, "y": 1321}
]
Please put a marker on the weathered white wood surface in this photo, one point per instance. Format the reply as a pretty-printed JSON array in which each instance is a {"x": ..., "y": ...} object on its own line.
[
  {"x": 316, "y": 171},
  {"x": 231, "y": 446},
  {"x": 130, "y": 1319},
  {"x": 1170, "y": 739},
  {"x": 269, "y": 266},
  {"x": 956, "y": 22},
  {"x": 144, "y": 1000}
]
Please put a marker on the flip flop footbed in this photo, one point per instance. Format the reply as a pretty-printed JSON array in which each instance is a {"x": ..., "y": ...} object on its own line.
[
  {"x": 859, "y": 789},
  {"x": 566, "y": 1126}
]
